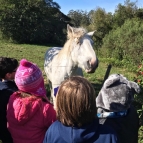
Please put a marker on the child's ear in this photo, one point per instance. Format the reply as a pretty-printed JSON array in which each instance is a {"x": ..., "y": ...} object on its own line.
[{"x": 7, "y": 75}]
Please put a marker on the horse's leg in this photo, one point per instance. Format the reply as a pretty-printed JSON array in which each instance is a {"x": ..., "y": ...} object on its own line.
[
  {"x": 52, "y": 97},
  {"x": 50, "y": 94}
]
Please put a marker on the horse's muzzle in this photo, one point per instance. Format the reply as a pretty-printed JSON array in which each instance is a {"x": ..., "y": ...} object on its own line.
[{"x": 93, "y": 67}]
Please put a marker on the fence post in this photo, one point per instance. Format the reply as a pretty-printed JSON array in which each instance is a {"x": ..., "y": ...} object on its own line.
[{"x": 107, "y": 73}]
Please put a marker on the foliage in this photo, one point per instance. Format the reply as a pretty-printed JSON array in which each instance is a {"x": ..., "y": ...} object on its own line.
[
  {"x": 32, "y": 21},
  {"x": 139, "y": 79},
  {"x": 101, "y": 22},
  {"x": 79, "y": 14},
  {"x": 139, "y": 75},
  {"x": 124, "y": 12},
  {"x": 125, "y": 43},
  {"x": 139, "y": 13},
  {"x": 139, "y": 98}
]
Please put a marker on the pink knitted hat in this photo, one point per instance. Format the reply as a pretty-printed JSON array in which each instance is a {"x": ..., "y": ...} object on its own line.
[{"x": 28, "y": 78}]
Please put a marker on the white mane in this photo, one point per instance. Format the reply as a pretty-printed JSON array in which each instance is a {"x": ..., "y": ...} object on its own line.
[{"x": 71, "y": 36}]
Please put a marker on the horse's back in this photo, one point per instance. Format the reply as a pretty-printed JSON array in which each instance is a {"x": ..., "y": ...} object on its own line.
[{"x": 50, "y": 53}]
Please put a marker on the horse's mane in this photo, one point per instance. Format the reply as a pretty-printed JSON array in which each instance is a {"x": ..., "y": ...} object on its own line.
[{"x": 77, "y": 33}]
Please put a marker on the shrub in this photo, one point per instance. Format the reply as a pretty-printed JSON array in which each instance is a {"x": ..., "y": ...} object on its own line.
[
  {"x": 125, "y": 42},
  {"x": 139, "y": 99}
]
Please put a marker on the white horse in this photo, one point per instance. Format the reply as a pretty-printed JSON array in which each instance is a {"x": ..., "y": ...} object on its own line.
[{"x": 77, "y": 54}]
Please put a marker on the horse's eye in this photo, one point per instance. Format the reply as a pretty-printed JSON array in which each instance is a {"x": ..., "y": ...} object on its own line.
[{"x": 79, "y": 42}]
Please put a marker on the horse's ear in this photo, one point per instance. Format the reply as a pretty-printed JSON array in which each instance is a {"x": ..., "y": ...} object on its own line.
[
  {"x": 90, "y": 33},
  {"x": 69, "y": 29}
]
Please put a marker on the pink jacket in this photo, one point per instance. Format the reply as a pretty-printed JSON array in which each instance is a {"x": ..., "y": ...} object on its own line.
[{"x": 29, "y": 118}]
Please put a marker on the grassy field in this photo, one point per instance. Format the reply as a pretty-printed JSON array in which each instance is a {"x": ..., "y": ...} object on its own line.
[
  {"x": 32, "y": 53},
  {"x": 36, "y": 54}
]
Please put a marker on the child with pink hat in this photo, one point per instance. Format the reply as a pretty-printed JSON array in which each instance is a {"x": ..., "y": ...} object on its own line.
[{"x": 29, "y": 112}]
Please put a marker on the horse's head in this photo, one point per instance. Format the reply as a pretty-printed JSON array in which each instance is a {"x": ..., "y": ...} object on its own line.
[{"x": 82, "y": 50}]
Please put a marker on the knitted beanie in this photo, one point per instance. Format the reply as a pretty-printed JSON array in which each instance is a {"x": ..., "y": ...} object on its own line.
[
  {"x": 28, "y": 78},
  {"x": 117, "y": 93}
]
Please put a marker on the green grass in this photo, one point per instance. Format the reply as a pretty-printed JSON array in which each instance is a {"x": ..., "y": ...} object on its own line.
[{"x": 32, "y": 53}]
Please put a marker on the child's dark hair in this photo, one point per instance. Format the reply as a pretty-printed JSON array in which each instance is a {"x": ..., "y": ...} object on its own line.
[{"x": 7, "y": 65}]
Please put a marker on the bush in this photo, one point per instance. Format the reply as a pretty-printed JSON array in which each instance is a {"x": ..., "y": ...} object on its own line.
[
  {"x": 139, "y": 79},
  {"x": 125, "y": 43},
  {"x": 139, "y": 99}
]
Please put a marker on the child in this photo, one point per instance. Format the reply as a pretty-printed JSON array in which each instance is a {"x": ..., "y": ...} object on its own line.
[
  {"x": 115, "y": 109},
  {"x": 29, "y": 112},
  {"x": 76, "y": 110},
  {"x": 8, "y": 68}
]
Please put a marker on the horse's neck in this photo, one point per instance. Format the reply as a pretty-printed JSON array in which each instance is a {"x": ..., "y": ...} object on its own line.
[
  {"x": 64, "y": 58},
  {"x": 65, "y": 53},
  {"x": 66, "y": 50}
]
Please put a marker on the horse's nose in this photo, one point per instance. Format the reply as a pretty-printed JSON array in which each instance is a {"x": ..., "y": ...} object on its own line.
[
  {"x": 96, "y": 64},
  {"x": 93, "y": 65}
]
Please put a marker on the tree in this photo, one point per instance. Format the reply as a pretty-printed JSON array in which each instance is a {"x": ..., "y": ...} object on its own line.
[
  {"x": 139, "y": 13},
  {"x": 101, "y": 22},
  {"x": 79, "y": 18},
  {"x": 124, "y": 12},
  {"x": 32, "y": 21}
]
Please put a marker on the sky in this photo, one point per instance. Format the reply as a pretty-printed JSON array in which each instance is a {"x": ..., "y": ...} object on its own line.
[{"x": 87, "y": 5}]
